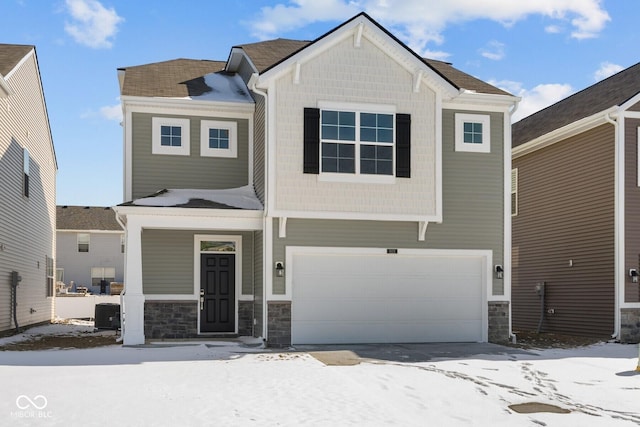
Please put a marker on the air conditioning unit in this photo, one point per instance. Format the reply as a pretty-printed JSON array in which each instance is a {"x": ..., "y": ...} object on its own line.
[{"x": 107, "y": 316}]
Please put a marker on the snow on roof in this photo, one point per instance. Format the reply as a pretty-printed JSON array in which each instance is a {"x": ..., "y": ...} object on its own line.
[
  {"x": 239, "y": 198},
  {"x": 224, "y": 87}
]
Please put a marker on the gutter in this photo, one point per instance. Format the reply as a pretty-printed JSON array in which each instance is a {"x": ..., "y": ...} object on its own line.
[
  {"x": 618, "y": 216},
  {"x": 124, "y": 288}
]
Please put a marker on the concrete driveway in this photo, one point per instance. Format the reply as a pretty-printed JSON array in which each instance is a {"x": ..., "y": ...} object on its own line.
[{"x": 412, "y": 352}]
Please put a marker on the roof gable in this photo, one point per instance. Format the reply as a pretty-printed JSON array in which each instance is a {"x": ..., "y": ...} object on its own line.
[
  {"x": 11, "y": 55},
  {"x": 610, "y": 92},
  {"x": 86, "y": 218}
]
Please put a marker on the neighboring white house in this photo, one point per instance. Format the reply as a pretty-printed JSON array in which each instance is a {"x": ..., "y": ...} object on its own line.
[
  {"x": 27, "y": 192},
  {"x": 90, "y": 248}
]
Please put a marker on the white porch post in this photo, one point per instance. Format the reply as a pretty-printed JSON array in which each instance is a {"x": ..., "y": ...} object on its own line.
[{"x": 133, "y": 331}]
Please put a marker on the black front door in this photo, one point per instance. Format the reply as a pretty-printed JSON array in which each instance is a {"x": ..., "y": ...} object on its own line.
[{"x": 217, "y": 293}]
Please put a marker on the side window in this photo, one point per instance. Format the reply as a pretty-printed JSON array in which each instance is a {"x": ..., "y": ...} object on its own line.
[
  {"x": 25, "y": 169},
  {"x": 170, "y": 136},
  {"x": 218, "y": 138},
  {"x": 50, "y": 276},
  {"x": 83, "y": 242},
  {"x": 473, "y": 133},
  {"x": 514, "y": 192}
]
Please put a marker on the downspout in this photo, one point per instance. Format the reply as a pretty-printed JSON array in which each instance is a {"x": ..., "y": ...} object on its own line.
[
  {"x": 124, "y": 288},
  {"x": 265, "y": 268},
  {"x": 507, "y": 221},
  {"x": 618, "y": 204}
]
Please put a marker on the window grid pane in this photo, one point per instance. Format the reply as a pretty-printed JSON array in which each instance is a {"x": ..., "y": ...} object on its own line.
[
  {"x": 376, "y": 127},
  {"x": 171, "y": 136},
  {"x": 376, "y": 160},
  {"x": 339, "y": 125},
  {"x": 219, "y": 138},
  {"x": 472, "y": 133},
  {"x": 338, "y": 158}
]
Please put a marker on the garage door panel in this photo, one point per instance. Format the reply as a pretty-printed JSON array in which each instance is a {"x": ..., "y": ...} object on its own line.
[{"x": 387, "y": 298}]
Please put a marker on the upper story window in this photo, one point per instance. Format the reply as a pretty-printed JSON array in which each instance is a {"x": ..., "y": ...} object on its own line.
[
  {"x": 514, "y": 192},
  {"x": 473, "y": 133},
  {"x": 170, "y": 136},
  {"x": 25, "y": 170},
  {"x": 365, "y": 143},
  {"x": 83, "y": 242},
  {"x": 218, "y": 138}
]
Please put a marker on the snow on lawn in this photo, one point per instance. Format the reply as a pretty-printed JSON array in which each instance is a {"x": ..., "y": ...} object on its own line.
[{"x": 233, "y": 384}]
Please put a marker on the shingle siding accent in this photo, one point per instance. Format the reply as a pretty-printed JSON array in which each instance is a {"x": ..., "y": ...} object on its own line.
[
  {"x": 154, "y": 172},
  {"x": 563, "y": 235},
  {"x": 343, "y": 74},
  {"x": 27, "y": 228}
]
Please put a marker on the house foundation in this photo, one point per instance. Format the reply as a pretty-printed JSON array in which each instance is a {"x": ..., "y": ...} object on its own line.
[
  {"x": 170, "y": 320},
  {"x": 499, "y": 322},
  {"x": 630, "y": 325},
  {"x": 279, "y": 324}
]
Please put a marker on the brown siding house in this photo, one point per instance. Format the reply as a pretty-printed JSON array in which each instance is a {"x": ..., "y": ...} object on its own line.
[{"x": 576, "y": 223}]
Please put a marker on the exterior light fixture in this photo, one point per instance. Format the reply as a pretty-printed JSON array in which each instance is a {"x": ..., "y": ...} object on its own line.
[
  {"x": 499, "y": 271},
  {"x": 633, "y": 273},
  {"x": 279, "y": 268}
]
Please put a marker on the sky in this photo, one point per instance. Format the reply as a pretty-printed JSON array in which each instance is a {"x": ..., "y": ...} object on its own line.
[
  {"x": 236, "y": 384},
  {"x": 539, "y": 50}
]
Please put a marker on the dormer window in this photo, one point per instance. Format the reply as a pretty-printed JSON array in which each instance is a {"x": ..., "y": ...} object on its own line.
[{"x": 170, "y": 136}]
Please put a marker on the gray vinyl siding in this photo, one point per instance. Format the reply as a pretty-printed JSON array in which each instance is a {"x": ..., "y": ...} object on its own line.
[
  {"x": 104, "y": 251},
  {"x": 27, "y": 225},
  {"x": 259, "y": 148},
  {"x": 258, "y": 282},
  {"x": 245, "y": 70},
  {"x": 632, "y": 209},
  {"x": 566, "y": 213},
  {"x": 167, "y": 260},
  {"x": 154, "y": 172}
]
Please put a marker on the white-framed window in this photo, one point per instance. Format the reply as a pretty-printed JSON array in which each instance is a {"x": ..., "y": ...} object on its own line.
[
  {"x": 473, "y": 133},
  {"x": 25, "y": 170},
  {"x": 83, "y": 242},
  {"x": 170, "y": 136},
  {"x": 122, "y": 240},
  {"x": 218, "y": 138},
  {"x": 357, "y": 141},
  {"x": 98, "y": 274},
  {"x": 514, "y": 192},
  {"x": 50, "y": 276}
]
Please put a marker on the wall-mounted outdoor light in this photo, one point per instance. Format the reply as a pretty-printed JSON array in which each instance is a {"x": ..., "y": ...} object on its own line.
[
  {"x": 279, "y": 268},
  {"x": 499, "y": 271},
  {"x": 633, "y": 273}
]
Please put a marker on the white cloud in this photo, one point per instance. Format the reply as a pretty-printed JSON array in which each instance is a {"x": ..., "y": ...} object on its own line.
[
  {"x": 420, "y": 22},
  {"x": 553, "y": 29},
  {"x": 112, "y": 112},
  {"x": 606, "y": 69},
  {"x": 494, "y": 51},
  {"x": 93, "y": 25},
  {"x": 535, "y": 99}
]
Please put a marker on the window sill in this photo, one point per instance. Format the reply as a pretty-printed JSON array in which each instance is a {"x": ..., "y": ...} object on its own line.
[{"x": 356, "y": 179}]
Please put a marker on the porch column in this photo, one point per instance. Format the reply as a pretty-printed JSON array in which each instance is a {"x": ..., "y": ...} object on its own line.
[{"x": 133, "y": 300}]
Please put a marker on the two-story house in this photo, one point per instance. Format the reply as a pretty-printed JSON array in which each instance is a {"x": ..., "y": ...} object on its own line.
[
  {"x": 341, "y": 190},
  {"x": 576, "y": 227},
  {"x": 89, "y": 248},
  {"x": 27, "y": 192}
]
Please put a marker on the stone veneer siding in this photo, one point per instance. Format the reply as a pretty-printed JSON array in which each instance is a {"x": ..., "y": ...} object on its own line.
[
  {"x": 245, "y": 318},
  {"x": 630, "y": 325},
  {"x": 170, "y": 320},
  {"x": 499, "y": 322},
  {"x": 279, "y": 324}
]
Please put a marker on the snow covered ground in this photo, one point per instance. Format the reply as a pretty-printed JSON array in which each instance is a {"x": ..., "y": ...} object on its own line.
[{"x": 232, "y": 384}]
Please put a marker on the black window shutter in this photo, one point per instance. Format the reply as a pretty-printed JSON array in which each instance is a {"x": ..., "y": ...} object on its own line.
[
  {"x": 311, "y": 140},
  {"x": 403, "y": 145}
]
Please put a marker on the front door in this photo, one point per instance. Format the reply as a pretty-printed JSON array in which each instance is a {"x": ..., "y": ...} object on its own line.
[{"x": 217, "y": 293}]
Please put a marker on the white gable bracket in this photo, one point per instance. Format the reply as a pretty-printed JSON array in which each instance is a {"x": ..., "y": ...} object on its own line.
[
  {"x": 358, "y": 39},
  {"x": 422, "y": 230},
  {"x": 296, "y": 73},
  {"x": 417, "y": 79},
  {"x": 282, "y": 227}
]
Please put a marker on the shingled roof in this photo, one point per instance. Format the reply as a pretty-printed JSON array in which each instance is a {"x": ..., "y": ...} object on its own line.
[
  {"x": 610, "y": 92},
  {"x": 177, "y": 78},
  {"x": 11, "y": 54},
  {"x": 86, "y": 218}
]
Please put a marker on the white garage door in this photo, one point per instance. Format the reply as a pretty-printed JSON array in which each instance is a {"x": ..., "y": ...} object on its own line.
[{"x": 378, "y": 298}]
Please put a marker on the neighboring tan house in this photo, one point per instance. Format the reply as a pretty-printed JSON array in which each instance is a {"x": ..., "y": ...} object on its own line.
[
  {"x": 576, "y": 213},
  {"x": 90, "y": 248},
  {"x": 341, "y": 190},
  {"x": 27, "y": 193}
]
